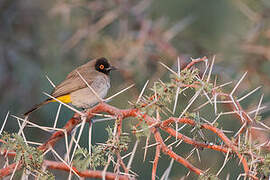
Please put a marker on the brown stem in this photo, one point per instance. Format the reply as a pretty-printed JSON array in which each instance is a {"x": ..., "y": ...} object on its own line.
[
  {"x": 155, "y": 163},
  {"x": 87, "y": 173}
]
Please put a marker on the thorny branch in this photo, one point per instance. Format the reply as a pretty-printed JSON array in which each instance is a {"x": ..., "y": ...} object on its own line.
[{"x": 155, "y": 126}]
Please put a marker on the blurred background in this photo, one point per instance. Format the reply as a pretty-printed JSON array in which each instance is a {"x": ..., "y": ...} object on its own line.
[{"x": 50, "y": 38}]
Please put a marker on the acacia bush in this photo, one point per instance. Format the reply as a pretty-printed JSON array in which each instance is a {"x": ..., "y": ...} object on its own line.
[{"x": 156, "y": 117}]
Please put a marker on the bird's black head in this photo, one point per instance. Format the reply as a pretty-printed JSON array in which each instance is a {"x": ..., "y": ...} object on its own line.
[{"x": 102, "y": 65}]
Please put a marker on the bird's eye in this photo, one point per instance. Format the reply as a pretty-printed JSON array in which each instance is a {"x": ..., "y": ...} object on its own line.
[{"x": 101, "y": 66}]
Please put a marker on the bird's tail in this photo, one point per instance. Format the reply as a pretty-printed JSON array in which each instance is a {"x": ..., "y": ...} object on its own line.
[{"x": 37, "y": 107}]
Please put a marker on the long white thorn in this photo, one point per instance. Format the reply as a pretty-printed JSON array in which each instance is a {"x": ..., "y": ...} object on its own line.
[
  {"x": 206, "y": 68},
  {"x": 207, "y": 97},
  {"x": 79, "y": 136},
  {"x": 72, "y": 140},
  {"x": 224, "y": 163},
  {"x": 178, "y": 66},
  {"x": 142, "y": 91},
  {"x": 180, "y": 142},
  {"x": 15, "y": 169},
  {"x": 66, "y": 144},
  {"x": 182, "y": 127},
  {"x": 203, "y": 119},
  {"x": 176, "y": 99},
  {"x": 90, "y": 138},
  {"x": 60, "y": 158},
  {"x": 198, "y": 154},
  {"x": 248, "y": 94},
  {"x": 259, "y": 105},
  {"x": 126, "y": 155},
  {"x": 116, "y": 94},
  {"x": 211, "y": 68},
  {"x": 50, "y": 81},
  {"x": 132, "y": 154},
  {"x": 215, "y": 103},
  {"x": 68, "y": 106},
  {"x": 201, "y": 106},
  {"x": 236, "y": 86},
  {"x": 37, "y": 126},
  {"x": 264, "y": 125},
  {"x": 6, "y": 118},
  {"x": 222, "y": 85},
  {"x": 93, "y": 91},
  {"x": 190, "y": 154},
  {"x": 152, "y": 145},
  {"x": 216, "y": 119},
  {"x": 243, "y": 126},
  {"x": 146, "y": 145},
  {"x": 34, "y": 143},
  {"x": 255, "y": 110},
  {"x": 178, "y": 88},
  {"x": 155, "y": 89},
  {"x": 234, "y": 103},
  {"x": 57, "y": 116},
  {"x": 21, "y": 129},
  {"x": 166, "y": 174},
  {"x": 102, "y": 120},
  {"x": 191, "y": 102},
  {"x": 23, "y": 125},
  {"x": 106, "y": 167},
  {"x": 172, "y": 71}
]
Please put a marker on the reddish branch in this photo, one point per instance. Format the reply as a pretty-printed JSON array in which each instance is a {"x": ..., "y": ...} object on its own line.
[
  {"x": 155, "y": 163},
  {"x": 244, "y": 118},
  {"x": 215, "y": 130},
  {"x": 61, "y": 166},
  {"x": 173, "y": 155},
  {"x": 193, "y": 142},
  {"x": 9, "y": 169},
  {"x": 195, "y": 61},
  {"x": 86, "y": 173},
  {"x": 73, "y": 122},
  {"x": 121, "y": 162},
  {"x": 164, "y": 125}
]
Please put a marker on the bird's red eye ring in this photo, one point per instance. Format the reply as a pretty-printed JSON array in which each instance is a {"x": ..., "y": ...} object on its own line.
[{"x": 101, "y": 66}]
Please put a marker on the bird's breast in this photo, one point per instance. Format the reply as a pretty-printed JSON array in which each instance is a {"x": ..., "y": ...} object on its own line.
[{"x": 85, "y": 97}]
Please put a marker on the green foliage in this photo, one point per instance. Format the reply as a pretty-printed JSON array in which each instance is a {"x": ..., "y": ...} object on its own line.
[
  {"x": 264, "y": 166},
  {"x": 30, "y": 157},
  {"x": 143, "y": 132},
  {"x": 187, "y": 76},
  {"x": 163, "y": 95},
  {"x": 82, "y": 159},
  {"x": 113, "y": 143},
  {"x": 100, "y": 153}
]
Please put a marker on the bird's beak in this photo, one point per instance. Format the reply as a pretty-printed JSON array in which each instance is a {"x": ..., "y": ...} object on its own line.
[{"x": 112, "y": 68}]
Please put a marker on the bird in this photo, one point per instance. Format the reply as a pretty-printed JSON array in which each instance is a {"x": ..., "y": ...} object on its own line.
[{"x": 74, "y": 90}]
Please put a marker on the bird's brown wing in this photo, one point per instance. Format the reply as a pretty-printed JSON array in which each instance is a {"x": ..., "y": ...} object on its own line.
[
  {"x": 82, "y": 69},
  {"x": 74, "y": 83}
]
